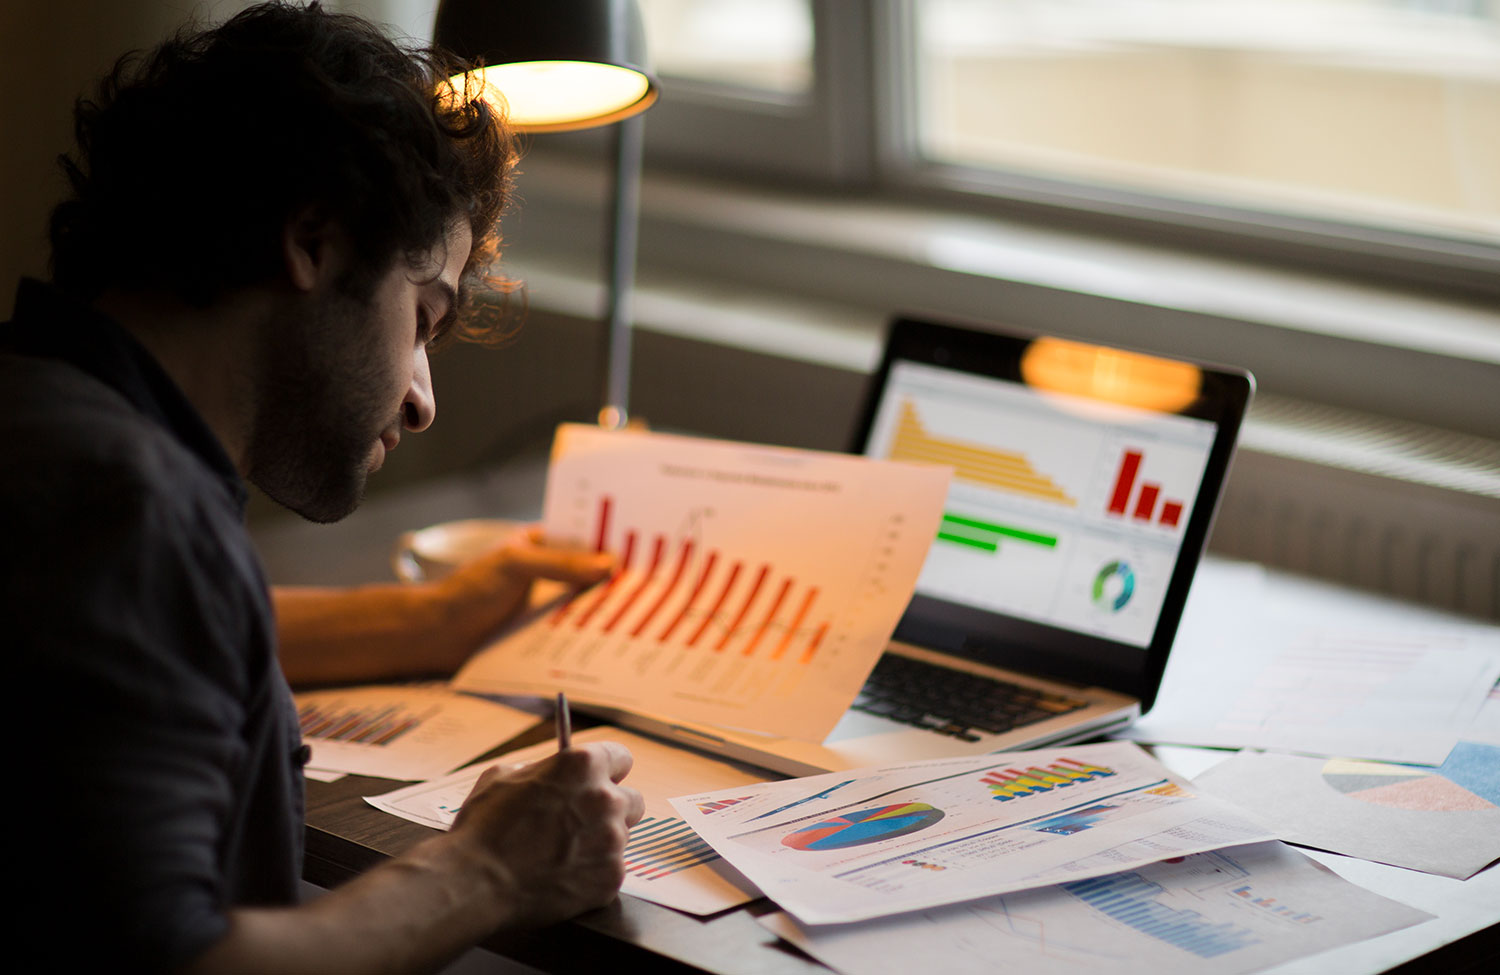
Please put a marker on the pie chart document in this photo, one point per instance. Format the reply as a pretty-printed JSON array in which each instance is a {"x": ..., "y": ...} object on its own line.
[
  {"x": 756, "y": 586},
  {"x": 855, "y": 845},
  {"x": 1443, "y": 820}
]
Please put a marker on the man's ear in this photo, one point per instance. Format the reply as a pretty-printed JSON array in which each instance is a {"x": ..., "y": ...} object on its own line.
[{"x": 311, "y": 247}]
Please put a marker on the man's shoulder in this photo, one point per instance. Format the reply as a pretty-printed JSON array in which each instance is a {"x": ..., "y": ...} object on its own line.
[
  {"x": 66, "y": 431},
  {"x": 125, "y": 537}
]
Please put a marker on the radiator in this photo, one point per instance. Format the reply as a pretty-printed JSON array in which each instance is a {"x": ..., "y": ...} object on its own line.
[{"x": 1378, "y": 504}]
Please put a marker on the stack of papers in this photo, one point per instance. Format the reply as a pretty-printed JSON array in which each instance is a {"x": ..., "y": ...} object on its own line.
[
  {"x": 1388, "y": 695},
  {"x": 402, "y": 731},
  {"x": 665, "y": 861},
  {"x": 1444, "y": 821},
  {"x": 1219, "y": 913},
  {"x": 1084, "y": 859},
  {"x": 850, "y": 846}
]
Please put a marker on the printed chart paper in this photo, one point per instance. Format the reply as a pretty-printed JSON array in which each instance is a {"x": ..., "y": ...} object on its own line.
[
  {"x": 757, "y": 585},
  {"x": 850, "y": 846},
  {"x": 1444, "y": 821},
  {"x": 402, "y": 732},
  {"x": 665, "y": 861},
  {"x": 1400, "y": 696},
  {"x": 1217, "y": 913},
  {"x": 1485, "y": 728}
]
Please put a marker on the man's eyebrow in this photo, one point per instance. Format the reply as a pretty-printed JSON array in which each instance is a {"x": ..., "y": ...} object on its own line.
[{"x": 443, "y": 324}]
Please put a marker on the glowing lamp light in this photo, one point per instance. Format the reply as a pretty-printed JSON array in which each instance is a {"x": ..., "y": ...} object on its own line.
[
  {"x": 1112, "y": 375},
  {"x": 557, "y": 96}
]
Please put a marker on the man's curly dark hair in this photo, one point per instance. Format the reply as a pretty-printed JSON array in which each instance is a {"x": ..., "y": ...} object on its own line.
[{"x": 193, "y": 157}]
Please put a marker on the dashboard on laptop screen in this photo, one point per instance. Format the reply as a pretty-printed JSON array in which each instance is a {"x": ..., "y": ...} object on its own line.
[
  {"x": 1085, "y": 482},
  {"x": 1063, "y": 510}
]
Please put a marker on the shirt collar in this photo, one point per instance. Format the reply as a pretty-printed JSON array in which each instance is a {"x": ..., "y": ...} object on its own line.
[{"x": 49, "y": 324}]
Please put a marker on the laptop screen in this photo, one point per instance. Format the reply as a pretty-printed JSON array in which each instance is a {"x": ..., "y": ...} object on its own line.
[{"x": 1084, "y": 481}]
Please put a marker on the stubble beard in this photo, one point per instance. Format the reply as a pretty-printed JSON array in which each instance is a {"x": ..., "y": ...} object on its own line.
[{"x": 319, "y": 413}]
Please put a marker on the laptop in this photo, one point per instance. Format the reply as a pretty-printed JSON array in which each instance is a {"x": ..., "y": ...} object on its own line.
[{"x": 1086, "y": 479}]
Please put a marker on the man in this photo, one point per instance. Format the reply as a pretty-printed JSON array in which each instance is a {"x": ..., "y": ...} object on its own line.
[{"x": 270, "y": 222}]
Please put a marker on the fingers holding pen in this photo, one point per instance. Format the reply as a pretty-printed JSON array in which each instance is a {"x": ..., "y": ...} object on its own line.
[
  {"x": 554, "y": 830},
  {"x": 600, "y": 768}
]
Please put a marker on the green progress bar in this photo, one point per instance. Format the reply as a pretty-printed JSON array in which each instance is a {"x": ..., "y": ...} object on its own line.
[
  {"x": 966, "y": 540},
  {"x": 1035, "y": 538}
]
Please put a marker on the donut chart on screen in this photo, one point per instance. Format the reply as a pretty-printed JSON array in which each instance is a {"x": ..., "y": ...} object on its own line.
[{"x": 865, "y": 826}]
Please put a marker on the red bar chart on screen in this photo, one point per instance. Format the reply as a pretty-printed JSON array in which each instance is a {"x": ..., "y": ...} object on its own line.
[{"x": 1130, "y": 482}]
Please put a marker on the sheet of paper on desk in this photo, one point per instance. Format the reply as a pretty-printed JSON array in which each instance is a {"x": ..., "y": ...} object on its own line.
[
  {"x": 665, "y": 861},
  {"x": 757, "y": 585},
  {"x": 1444, "y": 821},
  {"x": 402, "y": 731},
  {"x": 1218, "y": 913},
  {"x": 855, "y": 845},
  {"x": 1485, "y": 728},
  {"x": 1392, "y": 695}
]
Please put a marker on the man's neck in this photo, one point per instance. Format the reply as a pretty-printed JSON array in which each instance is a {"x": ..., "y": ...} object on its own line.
[{"x": 210, "y": 353}]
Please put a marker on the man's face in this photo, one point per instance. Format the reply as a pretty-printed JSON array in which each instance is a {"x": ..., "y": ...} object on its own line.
[{"x": 342, "y": 378}]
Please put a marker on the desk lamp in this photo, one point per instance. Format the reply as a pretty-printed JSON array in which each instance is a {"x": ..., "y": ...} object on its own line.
[{"x": 562, "y": 65}]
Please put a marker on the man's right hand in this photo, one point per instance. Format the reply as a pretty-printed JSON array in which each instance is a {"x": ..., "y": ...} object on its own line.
[
  {"x": 532, "y": 845},
  {"x": 551, "y": 834}
]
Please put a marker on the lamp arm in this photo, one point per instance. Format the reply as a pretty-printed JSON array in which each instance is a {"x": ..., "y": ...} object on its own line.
[{"x": 624, "y": 228}]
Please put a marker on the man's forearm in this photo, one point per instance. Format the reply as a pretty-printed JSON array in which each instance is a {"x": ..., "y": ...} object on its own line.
[
  {"x": 375, "y": 632},
  {"x": 411, "y": 914}
]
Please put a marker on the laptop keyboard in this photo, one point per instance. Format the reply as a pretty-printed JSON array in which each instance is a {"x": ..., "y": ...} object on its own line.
[{"x": 954, "y": 702}]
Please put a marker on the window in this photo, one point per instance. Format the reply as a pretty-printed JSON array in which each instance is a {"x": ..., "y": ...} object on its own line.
[
  {"x": 760, "y": 46},
  {"x": 1359, "y": 133},
  {"x": 1381, "y": 114}
]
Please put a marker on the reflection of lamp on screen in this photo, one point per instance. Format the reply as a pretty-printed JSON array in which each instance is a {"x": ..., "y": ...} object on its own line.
[{"x": 572, "y": 64}]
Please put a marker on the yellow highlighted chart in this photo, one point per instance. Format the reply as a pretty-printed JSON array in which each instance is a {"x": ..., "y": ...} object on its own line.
[
  {"x": 1016, "y": 783},
  {"x": 999, "y": 469}
]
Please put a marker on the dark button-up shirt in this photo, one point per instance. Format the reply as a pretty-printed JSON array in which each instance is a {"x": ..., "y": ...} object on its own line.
[{"x": 157, "y": 738}]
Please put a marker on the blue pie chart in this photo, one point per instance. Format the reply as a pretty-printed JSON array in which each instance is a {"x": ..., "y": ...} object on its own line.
[{"x": 865, "y": 826}]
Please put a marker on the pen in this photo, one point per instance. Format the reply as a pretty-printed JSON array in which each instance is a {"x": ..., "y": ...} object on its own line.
[{"x": 564, "y": 723}]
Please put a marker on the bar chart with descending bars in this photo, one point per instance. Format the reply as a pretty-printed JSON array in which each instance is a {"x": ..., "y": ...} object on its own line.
[
  {"x": 753, "y": 587},
  {"x": 1145, "y": 509},
  {"x": 721, "y": 602}
]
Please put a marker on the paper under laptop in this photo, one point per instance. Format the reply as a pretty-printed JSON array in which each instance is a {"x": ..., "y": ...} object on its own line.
[{"x": 1085, "y": 483}]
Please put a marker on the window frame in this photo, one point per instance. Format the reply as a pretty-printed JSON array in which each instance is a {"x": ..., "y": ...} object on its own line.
[
  {"x": 856, "y": 132},
  {"x": 824, "y": 138},
  {"x": 1469, "y": 265}
]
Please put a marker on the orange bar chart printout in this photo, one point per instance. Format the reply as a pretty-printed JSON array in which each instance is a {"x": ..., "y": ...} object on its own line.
[{"x": 755, "y": 587}]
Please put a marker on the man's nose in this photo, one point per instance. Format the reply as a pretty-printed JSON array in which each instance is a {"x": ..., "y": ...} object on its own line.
[{"x": 419, "y": 408}]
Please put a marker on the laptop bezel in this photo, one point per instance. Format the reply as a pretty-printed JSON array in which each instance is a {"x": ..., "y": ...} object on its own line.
[{"x": 1023, "y": 645}]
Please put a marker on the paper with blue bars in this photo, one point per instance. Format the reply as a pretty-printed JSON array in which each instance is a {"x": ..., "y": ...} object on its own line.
[{"x": 1219, "y": 913}]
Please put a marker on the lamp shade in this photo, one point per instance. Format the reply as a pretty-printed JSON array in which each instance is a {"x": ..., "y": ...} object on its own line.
[{"x": 559, "y": 64}]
